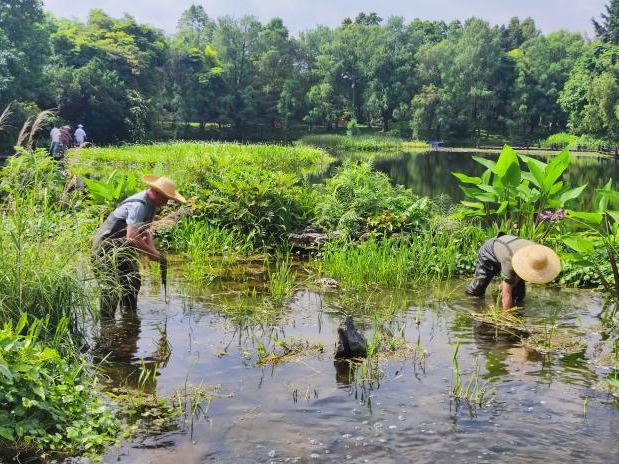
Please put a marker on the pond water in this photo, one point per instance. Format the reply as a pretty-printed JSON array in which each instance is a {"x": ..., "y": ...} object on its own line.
[
  {"x": 430, "y": 174},
  {"x": 312, "y": 410}
]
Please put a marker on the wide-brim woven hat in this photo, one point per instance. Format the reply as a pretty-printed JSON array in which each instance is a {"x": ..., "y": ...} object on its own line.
[
  {"x": 164, "y": 185},
  {"x": 537, "y": 264}
]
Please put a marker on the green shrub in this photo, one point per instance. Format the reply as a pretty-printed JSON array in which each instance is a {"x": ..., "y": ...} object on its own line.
[
  {"x": 561, "y": 140},
  {"x": 352, "y": 128},
  {"x": 48, "y": 403},
  {"x": 359, "y": 199},
  {"x": 262, "y": 205}
]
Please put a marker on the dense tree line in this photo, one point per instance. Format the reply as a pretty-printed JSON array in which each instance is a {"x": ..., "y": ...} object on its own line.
[{"x": 127, "y": 81}]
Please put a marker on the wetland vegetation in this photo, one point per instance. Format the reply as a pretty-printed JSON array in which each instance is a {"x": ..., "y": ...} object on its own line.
[{"x": 230, "y": 355}]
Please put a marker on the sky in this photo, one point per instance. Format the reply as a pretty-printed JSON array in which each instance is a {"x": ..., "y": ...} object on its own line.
[{"x": 299, "y": 15}]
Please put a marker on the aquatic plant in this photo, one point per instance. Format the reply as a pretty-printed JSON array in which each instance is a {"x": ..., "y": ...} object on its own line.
[
  {"x": 281, "y": 277},
  {"x": 113, "y": 189},
  {"x": 433, "y": 254},
  {"x": 599, "y": 230},
  {"x": 472, "y": 392},
  {"x": 358, "y": 198},
  {"x": 512, "y": 199},
  {"x": 285, "y": 350},
  {"x": 38, "y": 245},
  {"x": 48, "y": 402}
]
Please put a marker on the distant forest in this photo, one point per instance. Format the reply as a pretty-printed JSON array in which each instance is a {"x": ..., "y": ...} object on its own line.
[{"x": 129, "y": 82}]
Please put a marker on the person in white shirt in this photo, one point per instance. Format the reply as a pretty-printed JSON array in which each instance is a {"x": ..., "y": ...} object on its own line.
[
  {"x": 55, "y": 147},
  {"x": 80, "y": 135}
]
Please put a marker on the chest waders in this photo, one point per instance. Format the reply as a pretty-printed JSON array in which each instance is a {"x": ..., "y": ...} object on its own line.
[
  {"x": 487, "y": 267},
  {"x": 115, "y": 265}
]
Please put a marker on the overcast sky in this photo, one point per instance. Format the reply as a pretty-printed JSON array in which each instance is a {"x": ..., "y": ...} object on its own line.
[{"x": 299, "y": 15}]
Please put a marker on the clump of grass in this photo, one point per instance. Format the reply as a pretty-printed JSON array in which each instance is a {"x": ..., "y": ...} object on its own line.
[
  {"x": 281, "y": 278},
  {"x": 472, "y": 392},
  {"x": 397, "y": 262},
  {"x": 38, "y": 243}
]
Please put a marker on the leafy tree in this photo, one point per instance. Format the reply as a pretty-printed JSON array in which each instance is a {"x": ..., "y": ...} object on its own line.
[
  {"x": 588, "y": 97},
  {"x": 102, "y": 68},
  {"x": 236, "y": 42},
  {"x": 195, "y": 28},
  {"x": 370, "y": 19},
  {"x": 24, "y": 50},
  {"x": 466, "y": 69},
  {"x": 543, "y": 65},
  {"x": 389, "y": 70},
  {"x": 516, "y": 33},
  {"x": 608, "y": 29}
]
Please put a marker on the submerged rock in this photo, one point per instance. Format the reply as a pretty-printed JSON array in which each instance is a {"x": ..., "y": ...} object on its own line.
[{"x": 352, "y": 343}]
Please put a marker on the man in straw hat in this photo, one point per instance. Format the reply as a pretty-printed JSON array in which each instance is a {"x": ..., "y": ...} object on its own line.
[
  {"x": 518, "y": 261},
  {"x": 124, "y": 232}
]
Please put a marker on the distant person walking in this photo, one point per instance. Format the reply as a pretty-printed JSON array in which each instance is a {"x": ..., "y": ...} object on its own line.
[
  {"x": 55, "y": 146},
  {"x": 80, "y": 135},
  {"x": 65, "y": 138}
]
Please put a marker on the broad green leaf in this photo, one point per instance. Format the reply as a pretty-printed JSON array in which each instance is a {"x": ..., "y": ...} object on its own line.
[
  {"x": 556, "y": 188},
  {"x": 611, "y": 195},
  {"x": 592, "y": 218},
  {"x": 538, "y": 163},
  {"x": 527, "y": 176},
  {"x": 488, "y": 188},
  {"x": 502, "y": 208},
  {"x": 579, "y": 244},
  {"x": 555, "y": 169},
  {"x": 571, "y": 194},
  {"x": 537, "y": 174},
  {"x": 601, "y": 201},
  {"x": 485, "y": 177},
  {"x": 467, "y": 179},
  {"x": 474, "y": 205},
  {"x": 479, "y": 195},
  {"x": 614, "y": 215},
  {"x": 512, "y": 175},
  {"x": 486, "y": 162},
  {"x": 507, "y": 158}
]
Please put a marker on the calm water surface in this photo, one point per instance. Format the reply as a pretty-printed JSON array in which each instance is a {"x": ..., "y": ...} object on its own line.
[
  {"x": 429, "y": 174},
  {"x": 537, "y": 414}
]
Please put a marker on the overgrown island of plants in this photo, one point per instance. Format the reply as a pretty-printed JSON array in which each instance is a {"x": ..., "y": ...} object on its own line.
[{"x": 246, "y": 200}]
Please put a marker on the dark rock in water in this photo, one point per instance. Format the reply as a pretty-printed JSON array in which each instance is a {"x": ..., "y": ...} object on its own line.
[
  {"x": 352, "y": 343},
  {"x": 311, "y": 238}
]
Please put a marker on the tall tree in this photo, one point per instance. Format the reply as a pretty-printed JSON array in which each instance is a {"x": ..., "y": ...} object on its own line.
[
  {"x": 543, "y": 66},
  {"x": 195, "y": 28},
  {"x": 24, "y": 50},
  {"x": 607, "y": 30}
]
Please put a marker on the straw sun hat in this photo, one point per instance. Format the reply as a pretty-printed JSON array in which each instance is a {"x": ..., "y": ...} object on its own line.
[
  {"x": 537, "y": 264},
  {"x": 164, "y": 185}
]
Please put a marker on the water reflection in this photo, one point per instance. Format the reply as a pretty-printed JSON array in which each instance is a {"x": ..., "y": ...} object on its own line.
[{"x": 430, "y": 174}]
